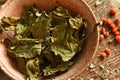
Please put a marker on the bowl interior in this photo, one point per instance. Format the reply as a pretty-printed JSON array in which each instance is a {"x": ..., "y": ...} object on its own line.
[{"x": 83, "y": 59}]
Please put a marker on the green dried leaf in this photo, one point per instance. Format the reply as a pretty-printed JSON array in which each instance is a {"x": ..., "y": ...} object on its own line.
[
  {"x": 76, "y": 23},
  {"x": 66, "y": 42},
  {"x": 33, "y": 26},
  {"x": 34, "y": 10},
  {"x": 8, "y": 23},
  {"x": 59, "y": 68},
  {"x": 20, "y": 29},
  {"x": 41, "y": 26},
  {"x": 26, "y": 51},
  {"x": 11, "y": 21},
  {"x": 33, "y": 69},
  {"x": 59, "y": 12},
  {"x": 28, "y": 19},
  {"x": 26, "y": 23},
  {"x": 51, "y": 57},
  {"x": 59, "y": 16},
  {"x": 44, "y": 42}
]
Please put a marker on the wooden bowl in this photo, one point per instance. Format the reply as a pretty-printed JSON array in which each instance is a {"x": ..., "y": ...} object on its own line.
[{"x": 15, "y": 8}]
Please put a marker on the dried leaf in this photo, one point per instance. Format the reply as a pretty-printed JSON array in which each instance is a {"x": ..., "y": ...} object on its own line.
[
  {"x": 60, "y": 68},
  {"x": 33, "y": 69},
  {"x": 41, "y": 26},
  {"x": 26, "y": 51},
  {"x": 44, "y": 42},
  {"x": 65, "y": 43}
]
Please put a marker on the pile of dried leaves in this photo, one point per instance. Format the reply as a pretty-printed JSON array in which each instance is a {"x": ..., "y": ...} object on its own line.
[{"x": 45, "y": 41}]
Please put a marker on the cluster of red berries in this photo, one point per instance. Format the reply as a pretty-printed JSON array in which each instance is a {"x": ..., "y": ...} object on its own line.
[{"x": 114, "y": 26}]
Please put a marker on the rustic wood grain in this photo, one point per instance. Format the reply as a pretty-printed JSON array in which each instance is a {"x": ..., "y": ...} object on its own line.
[{"x": 112, "y": 62}]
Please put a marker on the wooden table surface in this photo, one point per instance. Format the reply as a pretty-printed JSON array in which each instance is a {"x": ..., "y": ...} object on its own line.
[
  {"x": 101, "y": 69},
  {"x": 108, "y": 68}
]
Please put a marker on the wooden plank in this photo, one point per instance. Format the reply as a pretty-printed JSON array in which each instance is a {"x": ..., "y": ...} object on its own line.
[{"x": 112, "y": 63}]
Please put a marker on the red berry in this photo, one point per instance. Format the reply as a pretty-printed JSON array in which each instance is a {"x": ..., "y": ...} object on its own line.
[
  {"x": 119, "y": 27},
  {"x": 114, "y": 30},
  {"x": 107, "y": 51},
  {"x": 117, "y": 38},
  {"x": 112, "y": 26},
  {"x": 103, "y": 30},
  {"x": 117, "y": 20},
  {"x": 109, "y": 22},
  {"x": 103, "y": 55},
  {"x": 113, "y": 11},
  {"x": 101, "y": 37},
  {"x": 117, "y": 33},
  {"x": 104, "y": 20},
  {"x": 107, "y": 34}
]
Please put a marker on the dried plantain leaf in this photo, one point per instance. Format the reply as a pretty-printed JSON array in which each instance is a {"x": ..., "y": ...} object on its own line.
[
  {"x": 41, "y": 26},
  {"x": 33, "y": 70},
  {"x": 44, "y": 42},
  {"x": 59, "y": 68},
  {"x": 26, "y": 51},
  {"x": 65, "y": 39}
]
